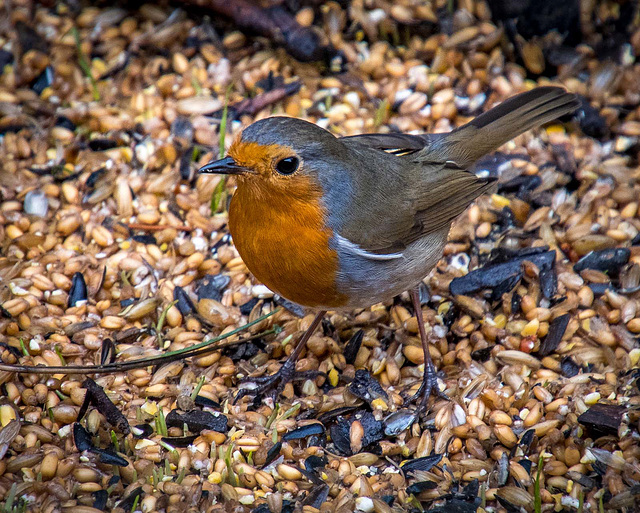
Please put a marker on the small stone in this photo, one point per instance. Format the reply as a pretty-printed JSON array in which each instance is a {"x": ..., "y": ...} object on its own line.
[{"x": 198, "y": 105}]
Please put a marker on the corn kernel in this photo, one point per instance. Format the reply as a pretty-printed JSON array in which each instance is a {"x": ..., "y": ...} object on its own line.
[
  {"x": 149, "y": 407},
  {"x": 379, "y": 404},
  {"x": 215, "y": 478},
  {"x": 531, "y": 328},
  {"x": 333, "y": 377},
  {"x": 500, "y": 201}
]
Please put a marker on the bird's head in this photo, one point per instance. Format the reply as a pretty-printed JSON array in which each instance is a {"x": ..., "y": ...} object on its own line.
[{"x": 279, "y": 155}]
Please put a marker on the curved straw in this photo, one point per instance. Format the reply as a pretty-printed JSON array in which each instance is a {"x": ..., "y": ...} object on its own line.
[{"x": 208, "y": 346}]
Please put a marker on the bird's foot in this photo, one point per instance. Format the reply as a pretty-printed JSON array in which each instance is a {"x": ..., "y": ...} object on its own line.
[
  {"x": 271, "y": 386},
  {"x": 428, "y": 387}
]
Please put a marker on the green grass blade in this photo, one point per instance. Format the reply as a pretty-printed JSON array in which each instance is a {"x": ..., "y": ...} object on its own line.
[
  {"x": 84, "y": 64},
  {"x": 537, "y": 498},
  {"x": 381, "y": 114}
]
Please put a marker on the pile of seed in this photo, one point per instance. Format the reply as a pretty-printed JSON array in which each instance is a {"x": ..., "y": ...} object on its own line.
[{"x": 113, "y": 249}]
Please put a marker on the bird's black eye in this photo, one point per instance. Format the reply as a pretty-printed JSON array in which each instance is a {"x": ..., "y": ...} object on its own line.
[{"x": 287, "y": 166}]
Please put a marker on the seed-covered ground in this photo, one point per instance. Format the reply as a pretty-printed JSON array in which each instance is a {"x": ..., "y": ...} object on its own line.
[{"x": 115, "y": 254}]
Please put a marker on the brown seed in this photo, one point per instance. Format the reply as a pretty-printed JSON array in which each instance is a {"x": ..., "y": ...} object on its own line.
[
  {"x": 174, "y": 317},
  {"x": 634, "y": 325},
  {"x": 558, "y": 482},
  {"x": 483, "y": 230},
  {"x": 180, "y": 63},
  {"x": 13, "y": 232},
  {"x": 461, "y": 37},
  {"x": 477, "y": 407},
  {"x": 363, "y": 458},
  {"x": 49, "y": 465},
  {"x": 86, "y": 475},
  {"x": 264, "y": 479},
  {"x": 542, "y": 394},
  {"x": 24, "y": 460},
  {"x": 534, "y": 416},
  {"x": 356, "y": 434},
  {"x": 484, "y": 432},
  {"x": 111, "y": 322},
  {"x": 413, "y": 103},
  {"x": 593, "y": 242},
  {"x": 41, "y": 282},
  {"x": 500, "y": 417},
  {"x": 288, "y": 472},
  {"x": 15, "y": 306},
  {"x": 516, "y": 496},
  {"x": 555, "y": 405},
  {"x": 571, "y": 456},
  {"x": 70, "y": 193},
  {"x": 234, "y": 40},
  {"x": 200, "y": 105},
  {"x": 414, "y": 354},
  {"x": 533, "y": 58},
  {"x": 123, "y": 197},
  {"x": 393, "y": 371},
  {"x": 141, "y": 309},
  {"x": 475, "y": 449},
  {"x": 89, "y": 487},
  {"x": 512, "y": 357},
  {"x": 544, "y": 427},
  {"x": 65, "y": 413},
  {"x": 519, "y": 473},
  {"x": 555, "y": 468},
  {"x": 305, "y": 16},
  {"x": 505, "y": 435},
  {"x": 248, "y": 444},
  {"x": 102, "y": 236}
]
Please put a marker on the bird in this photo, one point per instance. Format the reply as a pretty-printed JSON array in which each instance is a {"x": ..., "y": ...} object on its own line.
[{"x": 340, "y": 223}]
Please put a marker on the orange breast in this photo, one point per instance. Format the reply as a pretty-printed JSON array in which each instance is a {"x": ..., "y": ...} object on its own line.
[{"x": 283, "y": 239}]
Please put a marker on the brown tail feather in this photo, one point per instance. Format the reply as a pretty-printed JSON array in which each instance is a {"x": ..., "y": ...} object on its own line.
[{"x": 495, "y": 127}]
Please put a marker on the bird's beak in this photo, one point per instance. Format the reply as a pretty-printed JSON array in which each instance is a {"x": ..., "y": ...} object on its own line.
[{"x": 225, "y": 166}]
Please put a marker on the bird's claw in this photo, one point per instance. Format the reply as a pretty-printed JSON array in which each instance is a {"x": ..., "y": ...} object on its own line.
[
  {"x": 270, "y": 386},
  {"x": 428, "y": 387}
]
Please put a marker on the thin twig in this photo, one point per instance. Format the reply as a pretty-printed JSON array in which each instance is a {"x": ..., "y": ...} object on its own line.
[{"x": 252, "y": 106}]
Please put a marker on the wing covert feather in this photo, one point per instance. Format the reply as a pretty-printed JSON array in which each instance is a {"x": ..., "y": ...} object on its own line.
[{"x": 399, "y": 199}]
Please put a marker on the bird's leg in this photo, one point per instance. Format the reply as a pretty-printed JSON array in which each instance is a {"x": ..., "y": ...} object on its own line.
[
  {"x": 274, "y": 384},
  {"x": 429, "y": 383}
]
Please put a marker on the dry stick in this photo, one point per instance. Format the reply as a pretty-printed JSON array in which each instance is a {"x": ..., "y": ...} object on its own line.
[
  {"x": 98, "y": 398},
  {"x": 206, "y": 347},
  {"x": 274, "y": 22},
  {"x": 252, "y": 106}
]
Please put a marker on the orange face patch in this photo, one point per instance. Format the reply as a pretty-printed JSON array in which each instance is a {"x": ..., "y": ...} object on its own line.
[
  {"x": 257, "y": 157},
  {"x": 278, "y": 226}
]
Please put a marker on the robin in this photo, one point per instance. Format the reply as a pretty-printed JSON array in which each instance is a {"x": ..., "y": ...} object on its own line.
[{"x": 342, "y": 223}]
